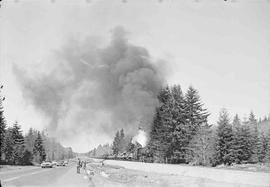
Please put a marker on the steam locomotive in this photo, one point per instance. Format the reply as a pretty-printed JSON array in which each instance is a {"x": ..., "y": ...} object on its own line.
[{"x": 138, "y": 153}]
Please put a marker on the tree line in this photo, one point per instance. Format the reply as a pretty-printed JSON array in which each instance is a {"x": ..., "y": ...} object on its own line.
[
  {"x": 33, "y": 147},
  {"x": 121, "y": 143},
  {"x": 101, "y": 151},
  {"x": 240, "y": 142},
  {"x": 180, "y": 133},
  {"x": 118, "y": 146}
]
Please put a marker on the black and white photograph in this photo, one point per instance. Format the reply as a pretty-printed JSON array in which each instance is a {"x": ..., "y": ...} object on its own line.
[{"x": 135, "y": 93}]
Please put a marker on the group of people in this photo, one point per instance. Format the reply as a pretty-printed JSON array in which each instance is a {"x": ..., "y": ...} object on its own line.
[{"x": 81, "y": 164}]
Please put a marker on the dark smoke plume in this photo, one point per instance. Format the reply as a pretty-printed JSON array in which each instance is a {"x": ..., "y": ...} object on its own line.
[{"x": 89, "y": 87}]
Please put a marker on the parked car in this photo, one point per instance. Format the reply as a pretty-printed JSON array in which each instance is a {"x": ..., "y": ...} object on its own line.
[
  {"x": 62, "y": 163},
  {"x": 46, "y": 164},
  {"x": 54, "y": 163},
  {"x": 65, "y": 162}
]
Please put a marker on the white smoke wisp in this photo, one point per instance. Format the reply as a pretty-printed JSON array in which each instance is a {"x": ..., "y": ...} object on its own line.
[{"x": 141, "y": 138}]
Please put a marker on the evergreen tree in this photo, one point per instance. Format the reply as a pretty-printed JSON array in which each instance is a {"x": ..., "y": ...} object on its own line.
[
  {"x": 116, "y": 143},
  {"x": 176, "y": 121},
  {"x": 18, "y": 154},
  {"x": 247, "y": 143},
  {"x": 237, "y": 139},
  {"x": 252, "y": 121},
  {"x": 2, "y": 126},
  {"x": 155, "y": 147},
  {"x": 255, "y": 146},
  {"x": 30, "y": 138},
  {"x": 262, "y": 147},
  {"x": 70, "y": 153},
  {"x": 236, "y": 124},
  {"x": 162, "y": 128},
  {"x": 122, "y": 134},
  {"x": 201, "y": 146},
  {"x": 8, "y": 146},
  {"x": 167, "y": 124},
  {"x": 27, "y": 157},
  {"x": 17, "y": 143},
  {"x": 130, "y": 146},
  {"x": 195, "y": 113},
  {"x": 179, "y": 135},
  {"x": 123, "y": 143},
  {"x": 242, "y": 144},
  {"x": 29, "y": 141},
  {"x": 224, "y": 144},
  {"x": 95, "y": 152},
  {"x": 39, "y": 150},
  {"x": 267, "y": 151}
]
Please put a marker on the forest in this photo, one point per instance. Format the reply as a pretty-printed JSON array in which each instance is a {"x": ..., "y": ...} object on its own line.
[
  {"x": 180, "y": 133},
  {"x": 33, "y": 147}
]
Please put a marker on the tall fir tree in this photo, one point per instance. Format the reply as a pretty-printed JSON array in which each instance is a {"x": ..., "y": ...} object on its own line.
[
  {"x": 242, "y": 142},
  {"x": 122, "y": 144},
  {"x": 162, "y": 128},
  {"x": 8, "y": 146},
  {"x": 195, "y": 113},
  {"x": 155, "y": 147},
  {"x": 262, "y": 147},
  {"x": 237, "y": 139},
  {"x": 30, "y": 138},
  {"x": 116, "y": 143},
  {"x": 19, "y": 146},
  {"x": 2, "y": 125},
  {"x": 224, "y": 144},
  {"x": 39, "y": 150},
  {"x": 130, "y": 146},
  {"x": 267, "y": 151},
  {"x": 202, "y": 146},
  {"x": 179, "y": 138},
  {"x": 176, "y": 121},
  {"x": 236, "y": 124},
  {"x": 167, "y": 121},
  {"x": 27, "y": 157},
  {"x": 252, "y": 121},
  {"x": 122, "y": 134},
  {"x": 246, "y": 143}
]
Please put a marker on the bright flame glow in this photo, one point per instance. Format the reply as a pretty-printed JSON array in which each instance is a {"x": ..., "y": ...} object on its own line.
[{"x": 141, "y": 138}]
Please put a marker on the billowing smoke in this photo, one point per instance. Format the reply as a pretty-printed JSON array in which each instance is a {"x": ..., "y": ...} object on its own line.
[
  {"x": 140, "y": 137},
  {"x": 91, "y": 87}
]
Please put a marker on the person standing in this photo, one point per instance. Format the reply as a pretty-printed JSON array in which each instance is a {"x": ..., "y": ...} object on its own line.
[
  {"x": 78, "y": 165},
  {"x": 84, "y": 165}
]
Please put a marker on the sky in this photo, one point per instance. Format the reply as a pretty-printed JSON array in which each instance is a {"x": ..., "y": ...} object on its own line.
[{"x": 220, "y": 48}]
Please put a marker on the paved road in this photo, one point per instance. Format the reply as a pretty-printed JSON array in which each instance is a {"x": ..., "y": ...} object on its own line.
[{"x": 58, "y": 176}]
